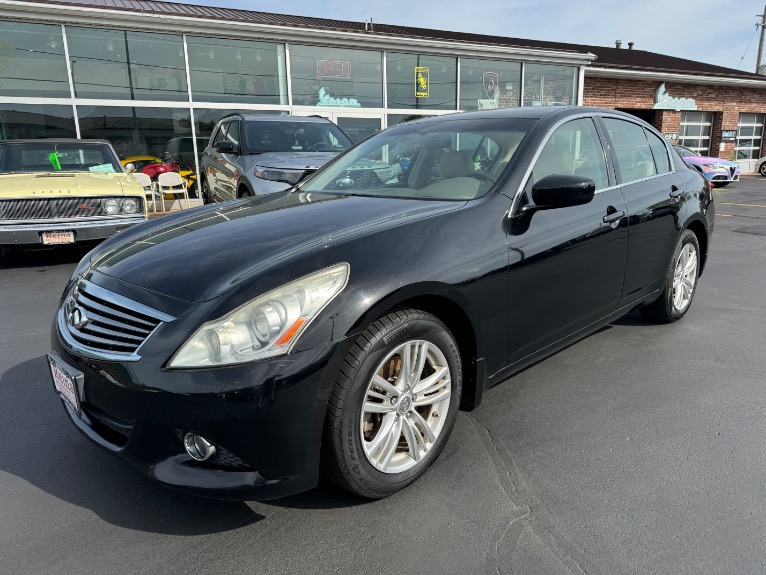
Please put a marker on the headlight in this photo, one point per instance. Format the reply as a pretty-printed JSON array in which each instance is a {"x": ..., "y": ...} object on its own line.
[
  {"x": 111, "y": 206},
  {"x": 288, "y": 176},
  {"x": 267, "y": 326},
  {"x": 130, "y": 205}
]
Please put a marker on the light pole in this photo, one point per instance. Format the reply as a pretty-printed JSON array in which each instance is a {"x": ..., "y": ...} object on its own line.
[{"x": 760, "y": 44}]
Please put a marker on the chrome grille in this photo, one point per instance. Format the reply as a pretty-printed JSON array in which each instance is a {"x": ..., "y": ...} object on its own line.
[
  {"x": 113, "y": 326},
  {"x": 50, "y": 208}
]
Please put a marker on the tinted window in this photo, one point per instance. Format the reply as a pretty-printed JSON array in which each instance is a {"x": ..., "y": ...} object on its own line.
[
  {"x": 446, "y": 160},
  {"x": 294, "y": 137},
  {"x": 634, "y": 157},
  {"x": 232, "y": 133},
  {"x": 573, "y": 149},
  {"x": 660, "y": 152}
]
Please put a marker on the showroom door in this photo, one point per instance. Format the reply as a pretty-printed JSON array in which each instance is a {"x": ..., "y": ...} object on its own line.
[{"x": 357, "y": 126}]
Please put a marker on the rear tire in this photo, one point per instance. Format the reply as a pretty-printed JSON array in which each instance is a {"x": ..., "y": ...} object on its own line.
[
  {"x": 383, "y": 427},
  {"x": 680, "y": 284}
]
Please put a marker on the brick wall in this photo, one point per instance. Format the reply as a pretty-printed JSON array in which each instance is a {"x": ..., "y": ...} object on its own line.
[{"x": 725, "y": 101}]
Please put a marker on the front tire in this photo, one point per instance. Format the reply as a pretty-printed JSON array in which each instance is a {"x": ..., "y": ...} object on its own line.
[
  {"x": 393, "y": 405},
  {"x": 680, "y": 284},
  {"x": 762, "y": 169}
]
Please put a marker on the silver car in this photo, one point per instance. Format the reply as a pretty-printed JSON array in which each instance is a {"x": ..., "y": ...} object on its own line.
[{"x": 251, "y": 155}]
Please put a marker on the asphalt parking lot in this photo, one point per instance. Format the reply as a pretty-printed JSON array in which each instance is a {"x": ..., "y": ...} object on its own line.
[{"x": 641, "y": 449}]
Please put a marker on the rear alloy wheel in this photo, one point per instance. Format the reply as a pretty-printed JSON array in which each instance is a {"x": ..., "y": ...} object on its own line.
[
  {"x": 680, "y": 284},
  {"x": 393, "y": 405}
]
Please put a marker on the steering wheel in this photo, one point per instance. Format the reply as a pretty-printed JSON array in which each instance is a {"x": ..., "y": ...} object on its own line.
[
  {"x": 320, "y": 147},
  {"x": 481, "y": 177}
]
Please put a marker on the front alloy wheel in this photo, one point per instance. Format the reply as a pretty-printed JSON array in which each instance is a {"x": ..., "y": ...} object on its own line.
[
  {"x": 393, "y": 405},
  {"x": 403, "y": 411},
  {"x": 762, "y": 169}
]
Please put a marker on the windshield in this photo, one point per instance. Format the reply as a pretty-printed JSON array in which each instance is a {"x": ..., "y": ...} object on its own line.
[
  {"x": 455, "y": 159},
  {"x": 286, "y": 136},
  {"x": 44, "y": 156}
]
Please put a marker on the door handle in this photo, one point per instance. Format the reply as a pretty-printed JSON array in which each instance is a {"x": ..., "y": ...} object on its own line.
[
  {"x": 675, "y": 192},
  {"x": 613, "y": 216}
]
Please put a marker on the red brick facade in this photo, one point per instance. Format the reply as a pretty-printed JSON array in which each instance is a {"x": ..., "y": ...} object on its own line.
[{"x": 727, "y": 102}]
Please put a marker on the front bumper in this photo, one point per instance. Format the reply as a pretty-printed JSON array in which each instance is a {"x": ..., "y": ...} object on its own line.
[
  {"x": 722, "y": 175},
  {"x": 264, "y": 418},
  {"x": 84, "y": 231}
]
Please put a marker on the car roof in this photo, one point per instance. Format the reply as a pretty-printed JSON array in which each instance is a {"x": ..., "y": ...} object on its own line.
[{"x": 270, "y": 118}]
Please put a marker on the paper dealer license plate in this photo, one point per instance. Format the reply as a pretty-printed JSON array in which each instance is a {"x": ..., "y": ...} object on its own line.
[
  {"x": 65, "y": 384},
  {"x": 52, "y": 238}
]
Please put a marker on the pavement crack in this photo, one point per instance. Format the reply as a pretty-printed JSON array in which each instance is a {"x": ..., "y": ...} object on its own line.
[{"x": 529, "y": 513}]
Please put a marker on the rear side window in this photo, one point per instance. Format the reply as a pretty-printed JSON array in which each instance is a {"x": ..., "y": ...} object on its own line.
[
  {"x": 660, "y": 152},
  {"x": 631, "y": 148}
]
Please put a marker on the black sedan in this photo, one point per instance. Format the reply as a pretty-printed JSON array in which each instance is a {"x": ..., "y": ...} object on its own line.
[{"x": 239, "y": 349}]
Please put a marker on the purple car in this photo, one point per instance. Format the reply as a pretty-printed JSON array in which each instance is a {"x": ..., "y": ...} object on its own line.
[{"x": 720, "y": 172}]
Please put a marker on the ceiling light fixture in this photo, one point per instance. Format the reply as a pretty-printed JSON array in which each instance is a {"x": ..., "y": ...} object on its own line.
[
  {"x": 110, "y": 45},
  {"x": 238, "y": 55},
  {"x": 258, "y": 56},
  {"x": 52, "y": 42},
  {"x": 210, "y": 53}
]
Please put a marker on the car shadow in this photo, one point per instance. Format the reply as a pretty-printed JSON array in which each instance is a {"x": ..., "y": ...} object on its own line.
[
  {"x": 23, "y": 257},
  {"x": 631, "y": 319},
  {"x": 41, "y": 447}
]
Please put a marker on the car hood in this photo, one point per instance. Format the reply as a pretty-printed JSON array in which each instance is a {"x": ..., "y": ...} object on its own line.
[
  {"x": 709, "y": 160},
  {"x": 200, "y": 255},
  {"x": 67, "y": 184},
  {"x": 294, "y": 160}
]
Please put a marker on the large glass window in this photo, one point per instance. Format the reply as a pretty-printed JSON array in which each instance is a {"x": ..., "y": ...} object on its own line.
[
  {"x": 123, "y": 65},
  {"x": 21, "y": 121},
  {"x": 134, "y": 131},
  {"x": 487, "y": 84},
  {"x": 32, "y": 61},
  {"x": 421, "y": 82},
  {"x": 205, "y": 119},
  {"x": 237, "y": 71},
  {"x": 573, "y": 149},
  {"x": 634, "y": 156},
  {"x": 749, "y": 134},
  {"x": 336, "y": 77},
  {"x": 546, "y": 85},
  {"x": 393, "y": 119},
  {"x": 695, "y": 131},
  {"x": 357, "y": 129}
]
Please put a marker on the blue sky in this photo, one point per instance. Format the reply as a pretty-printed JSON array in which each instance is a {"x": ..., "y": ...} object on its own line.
[{"x": 712, "y": 31}]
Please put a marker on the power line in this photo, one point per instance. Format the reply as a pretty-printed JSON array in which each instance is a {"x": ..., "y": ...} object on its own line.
[{"x": 757, "y": 25}]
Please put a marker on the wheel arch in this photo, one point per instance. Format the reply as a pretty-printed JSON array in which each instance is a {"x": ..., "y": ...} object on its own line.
[
  {"x": 700, "y": 230},
  {"x": 244, "y": 185},
  {"x": 446, "y": 304}
]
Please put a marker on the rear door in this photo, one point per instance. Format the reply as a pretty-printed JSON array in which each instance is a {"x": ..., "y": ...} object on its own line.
[
  {"x": 652, "y": 193},
  {"x": 223, "y": 173},
  {"x": 566, "y": 265}
]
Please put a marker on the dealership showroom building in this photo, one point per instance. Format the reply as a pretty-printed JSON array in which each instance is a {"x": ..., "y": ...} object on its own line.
[{"x": 140, "y": 73}]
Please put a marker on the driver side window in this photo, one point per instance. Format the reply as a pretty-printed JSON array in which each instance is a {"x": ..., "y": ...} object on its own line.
[{"x": 573, "y": 149}]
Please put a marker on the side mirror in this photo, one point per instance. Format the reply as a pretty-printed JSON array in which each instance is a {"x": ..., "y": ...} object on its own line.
[
  {"x": 130, "y": 168},
  {"x": 561, "y": 191},
  {"x": 223, "y": 146}
]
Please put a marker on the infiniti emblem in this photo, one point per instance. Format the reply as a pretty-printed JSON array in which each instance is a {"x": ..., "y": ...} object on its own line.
[{"x": 77, "y": 318}]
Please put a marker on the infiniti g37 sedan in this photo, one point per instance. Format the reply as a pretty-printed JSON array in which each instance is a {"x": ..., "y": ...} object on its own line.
[{"x": 238, "y": 350}]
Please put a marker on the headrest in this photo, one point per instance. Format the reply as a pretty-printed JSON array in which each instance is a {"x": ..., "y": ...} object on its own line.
[{"x": 456, "y": 164}]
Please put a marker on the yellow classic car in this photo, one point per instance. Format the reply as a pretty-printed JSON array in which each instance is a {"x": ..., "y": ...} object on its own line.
[{"x": 62, "y": 191}]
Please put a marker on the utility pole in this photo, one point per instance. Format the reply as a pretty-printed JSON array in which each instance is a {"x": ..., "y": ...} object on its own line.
[{"x": 760, "y": 44}]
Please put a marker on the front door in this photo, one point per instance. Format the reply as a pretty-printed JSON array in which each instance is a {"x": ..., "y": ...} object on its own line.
[
  {"x": 566, "y": 264},
  {"x": 223, "y": 172}
]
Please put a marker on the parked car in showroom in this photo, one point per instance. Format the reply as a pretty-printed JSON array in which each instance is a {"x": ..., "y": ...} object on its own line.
[
  {"x": 62, "y": 191},
  {"x": 341, "y": 324},
  {"x": 251, "y": 155},
  {"x": 718, "y": 171}
]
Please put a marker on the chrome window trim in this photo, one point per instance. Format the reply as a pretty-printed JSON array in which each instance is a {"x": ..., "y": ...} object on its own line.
[
  {"x": 76, "y": 348},
  {"x": 528, "y": 173}
]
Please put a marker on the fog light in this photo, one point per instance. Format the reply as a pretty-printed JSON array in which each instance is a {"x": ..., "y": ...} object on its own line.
[{"x": 199, "y": 448}]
